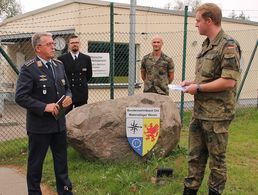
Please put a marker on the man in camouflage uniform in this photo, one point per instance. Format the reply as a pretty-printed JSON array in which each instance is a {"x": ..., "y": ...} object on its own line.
[
  {"x": 157, "y": 69},
  {"x": 214, "y": 90}
]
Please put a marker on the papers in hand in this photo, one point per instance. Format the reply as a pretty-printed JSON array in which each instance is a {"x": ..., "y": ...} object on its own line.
[
  {"x": 61, "y": 110},
  {"x": 176, "y": 87}
]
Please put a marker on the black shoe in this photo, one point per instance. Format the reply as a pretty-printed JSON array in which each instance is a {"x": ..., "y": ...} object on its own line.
[
  {"x": 213, "y": 192},
  {"x": 188, "y": 191}
]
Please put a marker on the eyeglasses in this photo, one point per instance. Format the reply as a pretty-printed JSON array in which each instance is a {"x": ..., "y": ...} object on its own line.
[{"x": 48, "y": 44}]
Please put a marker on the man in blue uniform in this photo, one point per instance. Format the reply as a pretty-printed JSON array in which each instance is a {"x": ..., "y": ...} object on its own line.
[
  {"x": 41, "y": 83},
  {"x": 78, "y": 68}
]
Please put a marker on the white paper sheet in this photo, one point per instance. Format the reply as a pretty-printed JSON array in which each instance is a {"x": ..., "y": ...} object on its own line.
[{"x": 176, "y": 87}]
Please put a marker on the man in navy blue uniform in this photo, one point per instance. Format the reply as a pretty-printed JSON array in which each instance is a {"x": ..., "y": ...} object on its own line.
[
  {"x": 78, "y": 68},
  {"x": 41, "y": 83}
]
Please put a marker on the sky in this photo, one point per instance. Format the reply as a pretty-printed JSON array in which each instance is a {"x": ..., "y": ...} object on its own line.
[{"x": 249, "y": 7}]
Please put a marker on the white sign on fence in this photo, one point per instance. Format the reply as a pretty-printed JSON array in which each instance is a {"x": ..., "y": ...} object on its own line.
[{"x": 100, "y": 64}]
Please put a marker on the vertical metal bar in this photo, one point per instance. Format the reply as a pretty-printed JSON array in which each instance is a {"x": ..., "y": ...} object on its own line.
[
  {"x": 112, "y": 51},
  {"x": 131, "y": 73},
  {"x": 13, "y": 66},
  {"x": 184, "y": 61},
  {"x": 247, "y": 70}
]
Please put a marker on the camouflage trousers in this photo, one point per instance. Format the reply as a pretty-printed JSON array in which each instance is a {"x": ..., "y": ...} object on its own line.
[{"x": 207, "y": 139}]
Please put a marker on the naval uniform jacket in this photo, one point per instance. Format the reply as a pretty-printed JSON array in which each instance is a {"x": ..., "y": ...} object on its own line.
[
  {"x": 78, "y": 72},
  {"x": 36, "y": 87}
]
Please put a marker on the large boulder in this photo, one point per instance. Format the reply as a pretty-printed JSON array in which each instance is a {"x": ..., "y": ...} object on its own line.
[{"x": 98, "y": 130}]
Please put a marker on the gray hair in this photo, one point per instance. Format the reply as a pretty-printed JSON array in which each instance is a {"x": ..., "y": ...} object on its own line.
[{"x": 35, "y": 39}]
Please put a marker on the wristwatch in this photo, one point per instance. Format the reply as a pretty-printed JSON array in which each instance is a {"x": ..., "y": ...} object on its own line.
[{"x": 198, "y": 89}]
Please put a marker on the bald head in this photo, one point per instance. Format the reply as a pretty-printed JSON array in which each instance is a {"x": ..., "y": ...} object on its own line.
[
  {"x": 157, "y": 43},
  {"x": 157, "y": 38}
]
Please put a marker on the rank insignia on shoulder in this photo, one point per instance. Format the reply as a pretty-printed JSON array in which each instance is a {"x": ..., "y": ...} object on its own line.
[
  {"x": 28, "y": 63},
  {"x": 39, "y": 64}
]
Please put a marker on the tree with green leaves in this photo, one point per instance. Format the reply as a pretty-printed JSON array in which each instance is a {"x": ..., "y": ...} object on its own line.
[{"x": 9, "y": 8}]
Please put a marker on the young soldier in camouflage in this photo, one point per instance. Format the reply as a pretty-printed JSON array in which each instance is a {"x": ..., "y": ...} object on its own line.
[
  {"x": 157, "y": 69},
  {"x": 214, "y": 90}
]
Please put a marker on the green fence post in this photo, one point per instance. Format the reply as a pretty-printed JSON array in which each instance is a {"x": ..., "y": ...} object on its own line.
[
  {"x": 13, "y": 66},
  {"x": 247, "y": 70},
  {"x": 111, "y": 50},
  {"x": 184, "y": 61}
]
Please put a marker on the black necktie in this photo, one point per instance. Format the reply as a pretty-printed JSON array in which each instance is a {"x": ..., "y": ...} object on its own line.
[
  {"x": 50, "y": 68},
  {"x": 75, "y": 57}
]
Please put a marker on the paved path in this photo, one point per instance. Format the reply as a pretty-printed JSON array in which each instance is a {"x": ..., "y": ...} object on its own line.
[{"x": 12, "y": 182}]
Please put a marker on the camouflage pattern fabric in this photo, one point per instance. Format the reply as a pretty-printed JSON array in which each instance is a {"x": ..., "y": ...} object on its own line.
[
  {"x": 207, "y": 139},
  {"x": 213, "y": 112},
  {"x": 218, "y": 59},
  {"x": 157, "y": 72}
]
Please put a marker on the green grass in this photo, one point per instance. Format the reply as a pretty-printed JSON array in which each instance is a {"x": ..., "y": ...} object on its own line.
[
  {"x": 12, "y": 149},
  {"x": 121, "y": 79},
  {"x": 117, "y": 178}
]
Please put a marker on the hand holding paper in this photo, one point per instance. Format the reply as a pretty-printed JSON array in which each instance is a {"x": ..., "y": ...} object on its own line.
[
  {"x": 176, "y": 87},
  {"x": 61, "y": 108}
]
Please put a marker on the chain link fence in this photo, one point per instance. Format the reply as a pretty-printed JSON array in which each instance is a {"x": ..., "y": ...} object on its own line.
[{"x": 16, "y": 49}]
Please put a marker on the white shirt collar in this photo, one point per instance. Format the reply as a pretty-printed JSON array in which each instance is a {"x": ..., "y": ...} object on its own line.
[{"x": 74, "y": 54}]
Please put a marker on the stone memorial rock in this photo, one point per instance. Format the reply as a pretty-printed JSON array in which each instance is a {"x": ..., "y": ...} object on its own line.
[{"x": 98, "y": 130}]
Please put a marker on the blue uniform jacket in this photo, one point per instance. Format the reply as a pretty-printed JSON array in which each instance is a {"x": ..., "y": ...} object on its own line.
[
  {"x": 37, "y": 87},
  {"x": 78, "y": 73}
]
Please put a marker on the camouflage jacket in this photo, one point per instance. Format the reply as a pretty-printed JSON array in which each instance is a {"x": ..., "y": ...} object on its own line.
[
  {"x": 218, "y": 59},
  {"x": 157, "y": 73}
]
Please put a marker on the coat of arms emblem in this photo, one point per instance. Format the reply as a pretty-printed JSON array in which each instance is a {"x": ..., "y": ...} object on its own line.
[{"x": 142, "y": 128}]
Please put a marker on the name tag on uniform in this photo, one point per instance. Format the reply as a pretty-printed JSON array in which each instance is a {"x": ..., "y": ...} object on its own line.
[{"x": 84, "y": 69}]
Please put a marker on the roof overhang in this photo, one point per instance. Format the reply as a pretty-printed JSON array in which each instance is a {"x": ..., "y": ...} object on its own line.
[{"x": 16, "y": 38}]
